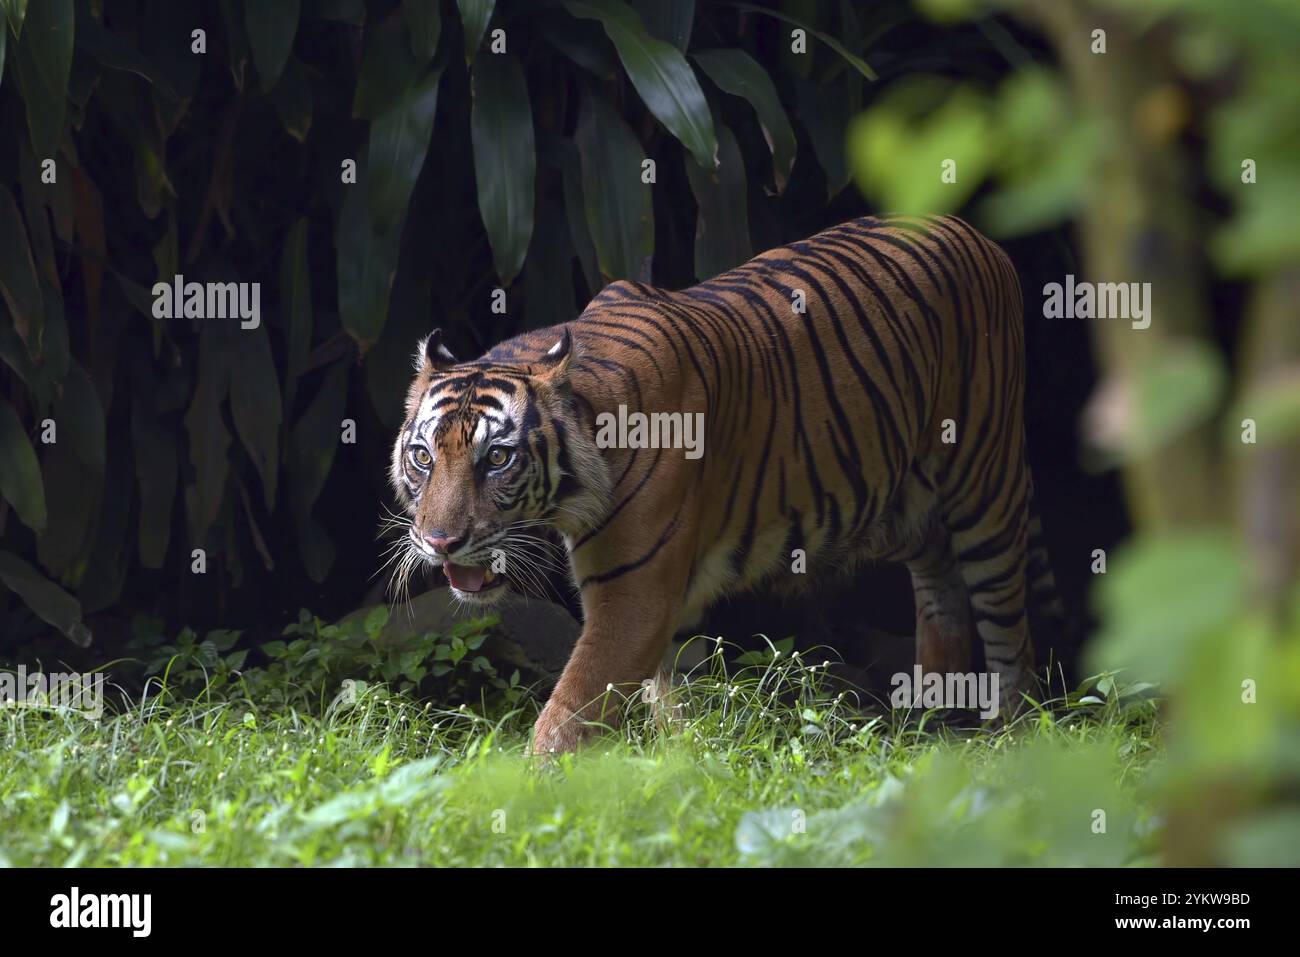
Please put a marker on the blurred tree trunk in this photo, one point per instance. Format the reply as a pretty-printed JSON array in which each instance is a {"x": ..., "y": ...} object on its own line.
[
  {"x": 1143, "y": 224},
  {"x": 1139, "y": 227},
  {"x": 1268, "y": 473}
]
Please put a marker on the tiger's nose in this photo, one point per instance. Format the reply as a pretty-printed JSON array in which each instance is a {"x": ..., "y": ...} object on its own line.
[{"x": 440, "y": 543}]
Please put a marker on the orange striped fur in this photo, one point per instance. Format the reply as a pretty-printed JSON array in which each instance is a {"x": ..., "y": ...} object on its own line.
[{"x": 824, "y": 437}]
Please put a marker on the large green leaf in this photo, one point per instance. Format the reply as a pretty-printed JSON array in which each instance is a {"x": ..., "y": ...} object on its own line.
[
  {"x": 34, "y": 193},
  {"x": 474, "y": 17},
  {"x": 271, "y": 26},
  {"x": 36, "y": 376},
  {"x": 388, "y": 71},
  {"x": 399, "y": 140},
  {"x": 619, "y": 212},
  {"x": 388, "y": 364},
  {"x": 167, "y": 44},
  {"x": 505, "y": 159},
  {"x": 575, "y": 212},
  {"x": 292, "y": 100},
  {"x": 737, "y": 73},
  {"x": 255, "y": 405},
  {"x": 137, "y": 120},
  {"x": 56, "y": 357},
  {"x": 660, "y": 74},
  {"x": 424, "y": 20},
  {"x": 43, "y": 59},
  {"x": 73, "y": 469},
  {"x": 825, "y": 117},
  {"x": 20, "y": 473},
  {"x": 295, "y": 309},
  {"x": 108, "y": 560},
  {"x": 583, "y": 42},
  {"x": 80, "y": 418},
  {"x": 4, "y": 40},
  {"x": 75, "y": 495},
  {"x": 50, "y": 602},
  {"x": 209, "y": 439},
  {"x": 312, "y": 445},
  {"x": 155, "y": 470},
  {"x": 548, "y": 275},
  {"x": 237, "y": 46},
  {"x": 116, "y": 53},
  {"x": 15, "y": 11},
  {"x": 367, "y": 260},
  {"x": 722, "y": 223},
  {"x": 668, "y": 20},
  {"x": 18, "y": 282},
  {"x": 562, "y": 155},
  {"x": 851, "y": 58}
]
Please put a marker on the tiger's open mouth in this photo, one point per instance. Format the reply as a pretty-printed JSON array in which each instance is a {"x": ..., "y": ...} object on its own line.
[{"x": 473, "y": 579}]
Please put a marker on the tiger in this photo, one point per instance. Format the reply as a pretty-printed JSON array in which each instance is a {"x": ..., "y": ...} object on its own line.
[{"x": 860, "y": 396}]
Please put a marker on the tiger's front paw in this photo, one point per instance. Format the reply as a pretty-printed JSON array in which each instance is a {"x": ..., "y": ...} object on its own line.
[
  {"x": 1019, "y": 693},
  {"x": 558, "y": 730}
]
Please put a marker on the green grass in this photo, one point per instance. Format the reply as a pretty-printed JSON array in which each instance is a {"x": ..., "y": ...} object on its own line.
[{"x": 763, "y": 767}]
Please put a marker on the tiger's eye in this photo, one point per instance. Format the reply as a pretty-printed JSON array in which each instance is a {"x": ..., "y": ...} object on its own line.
[
  {"x": 498, "y": 456},
  {"x": 422, "y": 458}
]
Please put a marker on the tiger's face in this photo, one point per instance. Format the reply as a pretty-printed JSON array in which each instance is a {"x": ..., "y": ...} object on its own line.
[{"x": 488, "y": 452}]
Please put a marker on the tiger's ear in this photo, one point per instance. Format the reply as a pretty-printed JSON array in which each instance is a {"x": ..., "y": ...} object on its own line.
[
  {"x": 553, "y": 367},
  {"x": 432, "y": 354}
]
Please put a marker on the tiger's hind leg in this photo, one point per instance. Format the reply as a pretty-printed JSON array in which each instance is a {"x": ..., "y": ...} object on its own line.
[
  {"x": 943, "y": 620},
  {"x": 991, "y": 546}
]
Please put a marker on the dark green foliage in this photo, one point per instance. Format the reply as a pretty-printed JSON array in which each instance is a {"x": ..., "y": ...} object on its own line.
[
  {"x": 316, "y": 662},
  {"x": 494, "y": 145}
]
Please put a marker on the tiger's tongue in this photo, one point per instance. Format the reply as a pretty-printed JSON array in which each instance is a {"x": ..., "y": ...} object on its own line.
[{"x": 464, "y": 577}]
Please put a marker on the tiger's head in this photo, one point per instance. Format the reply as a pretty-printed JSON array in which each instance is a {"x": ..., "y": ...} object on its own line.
[{"x": 488, "y": 452}]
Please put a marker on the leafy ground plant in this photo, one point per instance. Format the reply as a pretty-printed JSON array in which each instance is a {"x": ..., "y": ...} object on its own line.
[{"x": 318, "y": 660}]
